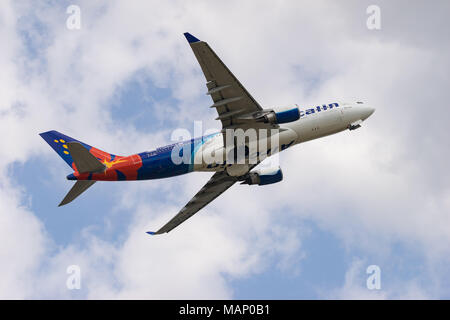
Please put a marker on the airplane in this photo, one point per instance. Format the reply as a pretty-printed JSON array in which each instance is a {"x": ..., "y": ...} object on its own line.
[{"x": 232, "y": 160}]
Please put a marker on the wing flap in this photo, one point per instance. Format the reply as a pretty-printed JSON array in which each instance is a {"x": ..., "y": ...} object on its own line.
[
  {"x": 227, "y": 93},
  {"x": 236, "y": 107}
]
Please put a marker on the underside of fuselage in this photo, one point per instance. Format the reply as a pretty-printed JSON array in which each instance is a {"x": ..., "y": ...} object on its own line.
[
  {"x": 192, "y": 155},
  {"x": 185, "y": 157}
]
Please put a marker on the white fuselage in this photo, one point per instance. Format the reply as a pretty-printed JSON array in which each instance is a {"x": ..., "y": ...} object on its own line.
[{"x": 314, "y": 123}]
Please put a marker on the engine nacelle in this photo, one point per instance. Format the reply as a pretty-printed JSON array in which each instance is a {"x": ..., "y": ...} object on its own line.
[
  {"x": 287, "y": 114},
  {"x": 282, "y": 115},
  {"x": 264, "y": 176}
]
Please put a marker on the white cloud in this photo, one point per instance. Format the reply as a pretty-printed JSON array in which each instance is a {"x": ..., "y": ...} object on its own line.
[
  {"x": 383, "y": 183},
  {"x": 23, "y": 243},
  {"x": 355, "y": 287}
]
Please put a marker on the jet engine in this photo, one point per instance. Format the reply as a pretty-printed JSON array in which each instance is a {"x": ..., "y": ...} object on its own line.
[
  {"x": 264, "y": 176},
  {"x": 282, "y": 115},
  {"x": 287, "y": 114}
]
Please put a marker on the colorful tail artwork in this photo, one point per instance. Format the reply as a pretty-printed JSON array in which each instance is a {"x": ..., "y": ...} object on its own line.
[
  {"x": 90, "y": 164},
  {"x": 59, "y": 141}
]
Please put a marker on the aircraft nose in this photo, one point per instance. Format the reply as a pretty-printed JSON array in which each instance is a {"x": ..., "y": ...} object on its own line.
[{"x": 367, "y": 112}]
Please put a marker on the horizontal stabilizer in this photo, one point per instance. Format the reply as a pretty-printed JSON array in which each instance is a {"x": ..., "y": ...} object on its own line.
[
  {"x": 78, "y": 188},
  {"x": 59, "y": 142},
  {"x": 84, "y": 160}
]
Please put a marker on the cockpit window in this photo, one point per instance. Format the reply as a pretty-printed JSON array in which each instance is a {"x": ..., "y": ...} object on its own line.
[{"x": 359, "y": 102}]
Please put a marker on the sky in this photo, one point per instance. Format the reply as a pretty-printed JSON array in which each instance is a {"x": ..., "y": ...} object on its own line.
[{"x": 127, "y": 78}]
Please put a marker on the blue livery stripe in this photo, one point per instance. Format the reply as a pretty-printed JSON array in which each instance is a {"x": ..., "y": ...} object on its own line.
[{"x": 58, "y": 142}]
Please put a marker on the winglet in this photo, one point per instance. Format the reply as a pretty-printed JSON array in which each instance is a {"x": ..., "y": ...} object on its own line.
[
  {"x": 190, "y": 38},
  {"x": 151, "y": 233}
]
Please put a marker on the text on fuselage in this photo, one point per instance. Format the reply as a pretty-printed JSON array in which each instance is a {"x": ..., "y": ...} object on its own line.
[{"x": 323, "y": 107}]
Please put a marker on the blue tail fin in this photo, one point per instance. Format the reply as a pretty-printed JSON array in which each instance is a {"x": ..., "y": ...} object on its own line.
[{"x": 58, "y": 142}]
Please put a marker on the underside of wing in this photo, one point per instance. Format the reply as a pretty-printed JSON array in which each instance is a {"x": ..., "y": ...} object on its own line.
[
  {"x": 235, "y": 106},
  {"x": 218, "y": 184}
]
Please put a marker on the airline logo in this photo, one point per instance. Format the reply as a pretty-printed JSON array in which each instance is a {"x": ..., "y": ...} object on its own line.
[{"x": 323, "y": 107}]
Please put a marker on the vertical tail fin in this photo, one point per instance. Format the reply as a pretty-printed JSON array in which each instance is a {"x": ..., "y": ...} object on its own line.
[
  {"x": 59, "y": 143},
  {"x": 80, "y": 157}
]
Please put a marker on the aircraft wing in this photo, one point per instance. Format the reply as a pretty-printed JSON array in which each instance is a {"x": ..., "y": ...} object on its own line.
[
  {"x": 234, "y": 104},
  {"x": 218, "y": 184}
]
